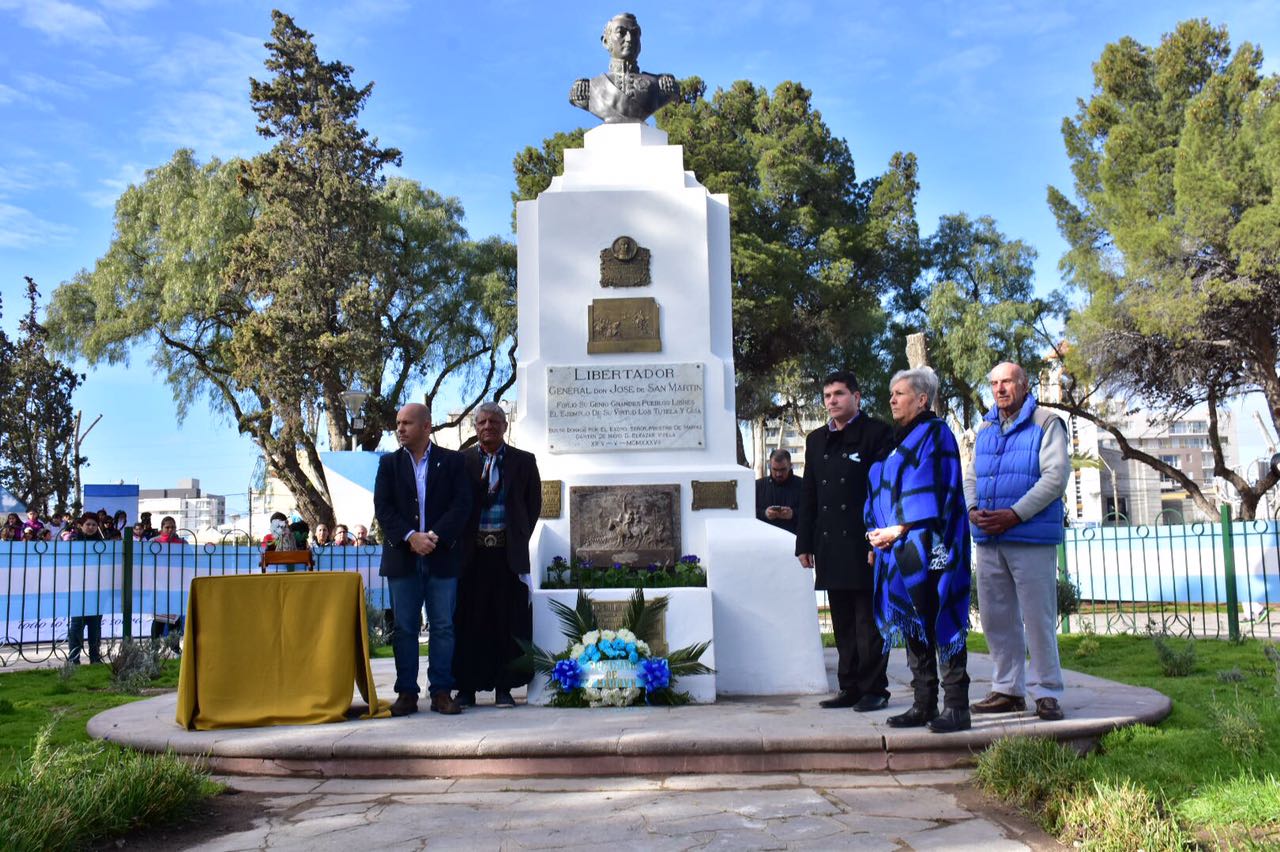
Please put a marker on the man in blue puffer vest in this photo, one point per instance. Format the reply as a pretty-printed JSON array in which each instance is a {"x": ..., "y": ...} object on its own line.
[{"x": 1014, "y": 493}]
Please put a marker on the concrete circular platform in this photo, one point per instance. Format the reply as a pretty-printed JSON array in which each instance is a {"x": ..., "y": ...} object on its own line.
[{"x": 741, "y": 734}]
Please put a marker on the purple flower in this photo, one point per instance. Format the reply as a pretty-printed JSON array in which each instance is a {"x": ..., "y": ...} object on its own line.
[
  {"x": 689, "y": 558},
  {"x": 618, "y": 566},
  {"x": 652, "y": 567}
]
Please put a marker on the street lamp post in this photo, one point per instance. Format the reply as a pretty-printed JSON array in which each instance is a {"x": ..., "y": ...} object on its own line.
[{"x": 354, "y": 401}]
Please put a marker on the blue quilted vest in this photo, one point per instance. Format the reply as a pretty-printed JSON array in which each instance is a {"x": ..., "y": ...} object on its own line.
[{"x": 1007, "y": 465}]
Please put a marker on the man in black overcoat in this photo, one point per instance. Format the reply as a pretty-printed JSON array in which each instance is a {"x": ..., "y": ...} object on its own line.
[
  {"x": 422, "y": 498},
  {"x": 832, "y": 538},
  {"x": 493, "y": 598}
]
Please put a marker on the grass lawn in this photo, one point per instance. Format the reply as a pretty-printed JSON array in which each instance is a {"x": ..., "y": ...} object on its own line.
[
  {"x": 31, "y": 699},
  {"x": 1208, "y": 774}
]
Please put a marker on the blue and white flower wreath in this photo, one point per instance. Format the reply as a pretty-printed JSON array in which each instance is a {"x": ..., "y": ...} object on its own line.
[{"x": 614, "y": 668}]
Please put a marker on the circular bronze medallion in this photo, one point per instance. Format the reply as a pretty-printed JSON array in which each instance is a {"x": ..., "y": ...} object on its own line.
[{"x": 624, "y": 248}]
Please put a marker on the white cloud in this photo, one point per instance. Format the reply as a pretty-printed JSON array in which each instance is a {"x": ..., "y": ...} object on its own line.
[
  {"x": 9, "y": 95},
  {"x": 39, "y": 84},
  {"x": 27, "y": 170},
  {"x": 62, "y": 21},
  {"x": 205, "y": 83},
  {"x": 20, "y": 229},
  {"x": 111, "y": 188}
]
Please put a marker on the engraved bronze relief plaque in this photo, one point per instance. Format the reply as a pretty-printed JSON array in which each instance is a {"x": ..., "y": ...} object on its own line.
[
  {"x": 609, "y": 615},
  {"x": 715, "y": 494},
  {"x": 623, "y": 325},
  {"x": 624, "y": 264},
  {"x": 630, "y": 524},
  {"x": 551, "y": 495}
]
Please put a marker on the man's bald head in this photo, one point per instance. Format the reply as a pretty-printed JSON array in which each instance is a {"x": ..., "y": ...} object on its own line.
[
  {"x": 413, "y": 427},
  {"x": 1009, "y": 387}
]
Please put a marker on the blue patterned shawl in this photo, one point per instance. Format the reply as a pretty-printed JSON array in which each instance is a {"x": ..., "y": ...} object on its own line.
[{"x": 920, "y": 483}]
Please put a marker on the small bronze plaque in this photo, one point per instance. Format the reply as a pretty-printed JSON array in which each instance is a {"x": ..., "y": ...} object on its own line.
[
  {"x": 627, "y": 524},
  {"x": 624, "y": 264},
  {"x": 552, "y": 489},
  {"x": 623, "y": 325},
  {"x": 715, "y": 494},
  {"x": 609, "y": 615}
]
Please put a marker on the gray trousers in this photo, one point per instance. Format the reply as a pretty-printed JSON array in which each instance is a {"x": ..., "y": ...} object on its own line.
[{"x": 1018, "y": 604}]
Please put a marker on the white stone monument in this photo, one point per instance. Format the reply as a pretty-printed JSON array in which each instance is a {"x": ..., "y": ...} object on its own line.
[{"x": 597, "y": 416}]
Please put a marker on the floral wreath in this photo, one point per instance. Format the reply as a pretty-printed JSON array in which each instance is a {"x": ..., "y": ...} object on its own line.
[{"x": 614, "y": 668}]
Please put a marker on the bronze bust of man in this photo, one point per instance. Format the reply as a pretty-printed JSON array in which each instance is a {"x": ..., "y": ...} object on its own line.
[{"x": 624, "y": 95}]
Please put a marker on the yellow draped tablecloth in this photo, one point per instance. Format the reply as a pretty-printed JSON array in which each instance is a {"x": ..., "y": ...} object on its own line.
[{"x": 274, "y": 649}]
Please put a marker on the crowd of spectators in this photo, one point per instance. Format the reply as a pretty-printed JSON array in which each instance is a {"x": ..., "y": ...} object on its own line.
[
  {"x": 295, "y": 534},
  {"x": 91, "y": 526},
  {"x": 103, "y": 526}
]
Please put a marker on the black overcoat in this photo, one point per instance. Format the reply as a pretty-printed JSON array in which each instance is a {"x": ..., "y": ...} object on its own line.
[{"x": 835, "y": 491}]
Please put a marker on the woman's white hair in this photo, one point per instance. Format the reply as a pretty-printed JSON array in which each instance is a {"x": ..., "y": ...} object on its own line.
[{"x": 921, "y": 379}]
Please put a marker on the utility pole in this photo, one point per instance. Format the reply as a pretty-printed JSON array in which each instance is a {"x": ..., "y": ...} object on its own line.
[{"x": 80, "y": 436}]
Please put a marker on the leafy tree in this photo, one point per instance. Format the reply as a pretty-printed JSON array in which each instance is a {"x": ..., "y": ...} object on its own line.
[
  {"x": 269, "y": 286},
  {"x": 977, "y": 302},
  {"x": 1175, "y": 237},
  {"x": 814, "y": 249},
  {"x": 37, "y": 421}
]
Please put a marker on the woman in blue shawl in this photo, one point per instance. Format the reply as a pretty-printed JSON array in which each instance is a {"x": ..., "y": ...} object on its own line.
[{"x": 918, "y": 526}]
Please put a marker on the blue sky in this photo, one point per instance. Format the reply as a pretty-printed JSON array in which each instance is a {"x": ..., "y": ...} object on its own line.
[{"x": 94, "y": 92}]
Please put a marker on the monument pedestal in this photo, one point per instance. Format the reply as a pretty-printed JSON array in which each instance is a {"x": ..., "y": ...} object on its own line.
[{"x": 625, "y": 378}]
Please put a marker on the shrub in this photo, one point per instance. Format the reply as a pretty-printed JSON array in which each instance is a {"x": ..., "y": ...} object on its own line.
[
  {"x": 1231, "y": 675},
  {"x": 1238, "y": 727},
  {"x": 136, "y": 664},
  {"x": 1119, "y": 816},
  {"x": 376, "y": 620},
  {"x": 66, "y": 797},
  {"x": 1028, "y": 771},
  {"x": 1175, "y": 662},
  {"x": 1068, "y": 596},
  {"x": 1272, "y": 652},
  {"x": 1089, "y": 645},
  {"x": 582, "y": 574}
]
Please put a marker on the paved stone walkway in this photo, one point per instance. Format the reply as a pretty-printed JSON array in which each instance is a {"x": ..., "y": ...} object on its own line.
[{"x": 868, "y": 811}]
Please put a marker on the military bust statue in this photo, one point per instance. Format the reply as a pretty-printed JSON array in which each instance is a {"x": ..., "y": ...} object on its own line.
[{"x": 625, "y": 95}]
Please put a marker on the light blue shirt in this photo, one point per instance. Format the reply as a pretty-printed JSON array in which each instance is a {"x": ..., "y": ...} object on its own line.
[{"x": 420, "y": 480}]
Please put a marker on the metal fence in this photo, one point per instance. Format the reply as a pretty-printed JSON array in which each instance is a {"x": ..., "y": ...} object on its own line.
[
  {"x": 1215, "y": 580},
  {"x": 1210, "y": 580},
  {"x": 132, "y": 589}
]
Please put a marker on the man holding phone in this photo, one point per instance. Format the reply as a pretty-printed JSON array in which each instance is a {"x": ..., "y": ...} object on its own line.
[{"x": 778, "y": 494}]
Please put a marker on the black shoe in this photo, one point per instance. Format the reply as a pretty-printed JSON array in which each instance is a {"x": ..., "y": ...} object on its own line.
[
  {"x": 840, "y": 699},
  {"x": 952, "y": 719},
  {"x": 502, "y": 698},
  {"x": 916, "y": 717},
  {"x": 465, "y": 698},
  {"x": 1048, "y": 709},
  {"x": 442, "y": 702},
  {"x": 867, "y": 703},
  {"x": 406, "y": 703},
  {"x": 998, "y": 702}
]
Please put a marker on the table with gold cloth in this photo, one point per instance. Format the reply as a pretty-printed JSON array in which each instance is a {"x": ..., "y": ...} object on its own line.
[{"x": 274, "y": 649}]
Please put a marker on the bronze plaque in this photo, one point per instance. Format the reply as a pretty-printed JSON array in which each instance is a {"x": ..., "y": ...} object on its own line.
[
  {"x": 628, "y": 524},
  {"x": 716, "y": 494},
  {"x": 624, "y": 264},
  {"x": 623, "y": 325},
  {"x": 551, "y": 491},
  {"x": 609, "y": 616}
]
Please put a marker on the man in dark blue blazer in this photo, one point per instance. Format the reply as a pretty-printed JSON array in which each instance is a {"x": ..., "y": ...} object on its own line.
[{"x": 422, "y": 499}]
